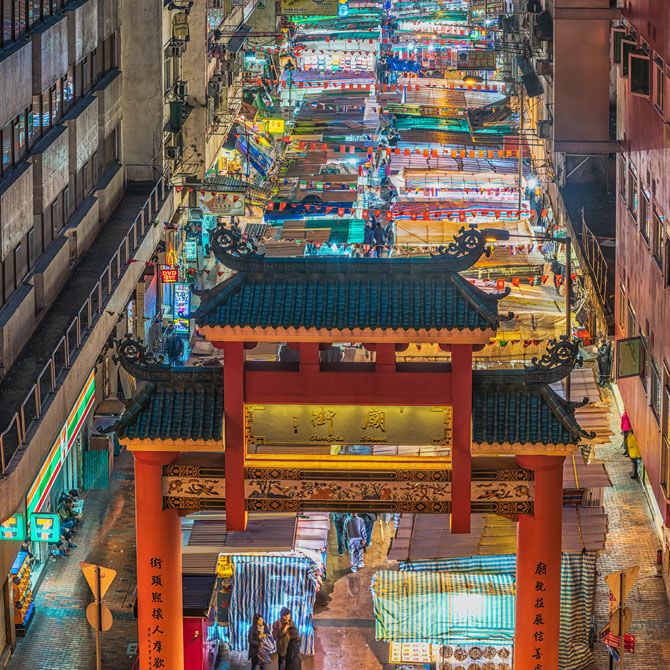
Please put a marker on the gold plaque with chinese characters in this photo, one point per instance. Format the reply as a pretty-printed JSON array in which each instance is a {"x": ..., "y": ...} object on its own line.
[{"x": 282, "y": 425}]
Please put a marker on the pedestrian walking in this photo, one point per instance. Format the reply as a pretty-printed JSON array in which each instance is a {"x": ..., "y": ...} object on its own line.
[
  {"x": 626, "y": 431},
  {"x": 379, "y": 238},
  {"x": 258, "y": 638},
  {"x": 174, "y": 349},
  {"x": 280, "y": 630},
  {"x": 368, "y": 237},
  {"x": 354, "y": 531},
  {"x": 338, "y": 522},
  {"x": 369, "y": 519},
  {"x": 390, "y": 237},
  {"x": 293, "y": 660},
  {"x": 634, "y": 453}
]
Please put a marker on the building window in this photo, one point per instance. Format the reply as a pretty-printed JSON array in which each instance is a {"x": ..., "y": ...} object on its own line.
[
  {"x": 14, "y": 139},
  {"x": 644, "y": 362},
  {"x": 659, "y": 84},
  {"x": 622, "y": 307},
  {"x": 632, "y": 192},
  {"x": 622, "y": 176},
  {"x": 656, "y": 398},
  {"x": 631, "y": 324},
  {"x": 665, "y": 442},
  {"x": 657, "y": 237},
  {"x": 644, "y": 215}
]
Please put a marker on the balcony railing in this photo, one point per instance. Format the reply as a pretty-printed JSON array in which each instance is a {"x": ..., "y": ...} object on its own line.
[{"x": 16, "y": 435}]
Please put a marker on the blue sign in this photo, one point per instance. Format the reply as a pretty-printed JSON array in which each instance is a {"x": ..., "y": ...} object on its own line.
[
  {"x": 343, "y": 7},
  {"x": 182, "y": 308}
]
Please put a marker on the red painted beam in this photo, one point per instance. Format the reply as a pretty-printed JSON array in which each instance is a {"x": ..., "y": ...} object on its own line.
[{"x": 351, "y": 388}]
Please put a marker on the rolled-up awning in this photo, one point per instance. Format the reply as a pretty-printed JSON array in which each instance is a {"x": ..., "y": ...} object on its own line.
[{"x": 238, "y": 39}]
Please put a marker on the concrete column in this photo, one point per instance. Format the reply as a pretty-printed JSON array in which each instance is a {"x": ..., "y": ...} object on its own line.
[
  {"x": 159, "y": 589},
  {"x": 538, "y": 568}
]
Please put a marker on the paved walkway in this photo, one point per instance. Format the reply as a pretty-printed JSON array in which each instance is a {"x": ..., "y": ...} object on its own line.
[
  {"x": 59, "y": 637},
  {"x": 632, "y": 540}
]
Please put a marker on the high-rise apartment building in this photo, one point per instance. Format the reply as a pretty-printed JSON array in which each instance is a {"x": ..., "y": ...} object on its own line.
[
  {"x": 104, "y": 105},
  {"x": 642, "y": 58}
]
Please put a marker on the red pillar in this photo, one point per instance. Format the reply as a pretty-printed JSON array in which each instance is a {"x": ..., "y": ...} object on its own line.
[
  {"x": 461, "y": 375},
  {"x": 385, "y": 357},
  {"x": 309, "y": 357},
  {"x": 159, "y": 594},
  {"x": 538, "y": 568},
  {"x": 233, "y": 406}
]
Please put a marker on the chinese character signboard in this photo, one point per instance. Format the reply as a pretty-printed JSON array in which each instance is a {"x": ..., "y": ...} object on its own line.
[
  {"x": 347, "y": 424},
  {"x": 182, "y": 308},
  {"x": 156, "y": 633},
  {"x": 44, "y": 527},
  {"x": 476, "y": 59},
  {"x": 169, "y": 275},
  {"x": 224, "y": 204},
  {"x": 275, "y": 126},
  {"x": 13, "y": 529},
  {"x": 308, "y": 7}
]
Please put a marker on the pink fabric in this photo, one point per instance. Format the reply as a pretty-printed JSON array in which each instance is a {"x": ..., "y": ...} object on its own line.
[{"x": 625, "y": 423}]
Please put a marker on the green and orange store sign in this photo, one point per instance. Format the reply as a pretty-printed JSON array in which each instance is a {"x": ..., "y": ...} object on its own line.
[{"x": 38, "y": 493}]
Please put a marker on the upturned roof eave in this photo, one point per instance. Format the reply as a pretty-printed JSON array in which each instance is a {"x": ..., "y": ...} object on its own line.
[{"x": 362, "y": 335}]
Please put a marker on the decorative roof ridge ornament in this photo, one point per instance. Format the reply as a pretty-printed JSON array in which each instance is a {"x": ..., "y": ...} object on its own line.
[
  {"x": 239, "y": 254},
  {"x": 235, "y": 252},
  {"x": 567, "y": 411},
  {"x": 141, "y": 363},
  {"x": 557, "y": 362},
  {"x": 465, "y": 250}
]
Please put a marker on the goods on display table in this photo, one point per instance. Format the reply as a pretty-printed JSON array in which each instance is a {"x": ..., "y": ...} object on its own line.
[{"x": 24, "y": 607}]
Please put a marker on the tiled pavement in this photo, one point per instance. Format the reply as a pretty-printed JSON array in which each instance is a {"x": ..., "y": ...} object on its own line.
[
  {"x": 60, "y": 637},
  {"x": 631, "y": 541}
]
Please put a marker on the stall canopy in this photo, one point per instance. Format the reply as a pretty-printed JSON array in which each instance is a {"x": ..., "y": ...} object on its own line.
[
  {"x": 578, "y": 573},
  {"x": 265, "y": 584},
  {"x": 443, "y": 607}
]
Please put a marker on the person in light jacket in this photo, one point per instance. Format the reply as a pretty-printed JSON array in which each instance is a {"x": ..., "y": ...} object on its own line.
[
  {"x": 634, "y": 453},
  {"x": 354, "y": 531}
]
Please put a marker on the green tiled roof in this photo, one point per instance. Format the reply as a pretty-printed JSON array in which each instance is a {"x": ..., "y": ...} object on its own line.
[
  {"x": 166, "y": 411},
  {"x": 348, "y": 301},
  {"x": 520, "y": 412}
]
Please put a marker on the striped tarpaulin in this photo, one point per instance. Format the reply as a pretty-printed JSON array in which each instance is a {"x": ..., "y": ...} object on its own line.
[
  {"x": 443, "y": 607},
  {"x": 578, "y": 573},
  {"x": 265, "y": 584}
]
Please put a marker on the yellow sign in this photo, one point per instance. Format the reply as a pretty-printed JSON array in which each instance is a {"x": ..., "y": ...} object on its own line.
[
  {"x": 308, "y": 7},
  {"x": 90, "y": 573},
  {"x": 621, "y": 582},
  {"x": 275, "y": 126},
  {"x": 347, "y": 424}
]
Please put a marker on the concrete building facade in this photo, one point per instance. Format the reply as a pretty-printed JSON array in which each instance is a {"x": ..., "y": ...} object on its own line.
[
  {"x": 104, "y": 105},
  {"x": 642, "y": 61}
]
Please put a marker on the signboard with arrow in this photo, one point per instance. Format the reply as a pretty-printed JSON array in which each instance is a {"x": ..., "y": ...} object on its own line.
[{"x": 620, "y": 584}]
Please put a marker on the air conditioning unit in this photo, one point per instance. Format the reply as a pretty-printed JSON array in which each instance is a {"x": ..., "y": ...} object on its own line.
[
  {"x": 173, "y": 153},
  {"x": 544, "y": 68},
  {"x": 181, "y": 90},
  {"x": 544, "y": 129}
]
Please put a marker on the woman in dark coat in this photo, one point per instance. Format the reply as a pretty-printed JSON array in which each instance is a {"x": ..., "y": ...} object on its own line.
[
  {"x": 293, "y": 661},
  {"x": 257, "y": 631}
]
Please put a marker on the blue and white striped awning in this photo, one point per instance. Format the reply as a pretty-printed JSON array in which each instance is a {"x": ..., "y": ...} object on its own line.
[
  {"x": 443, "y": 607},
  {"x": 578, "y": 573},
  {"x": 263, "y": 584}
]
